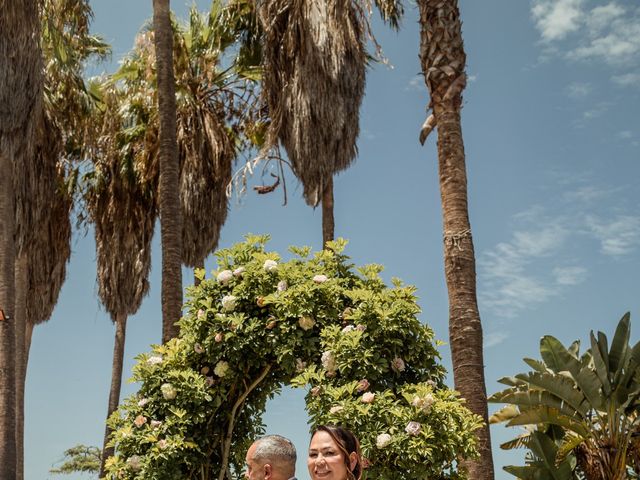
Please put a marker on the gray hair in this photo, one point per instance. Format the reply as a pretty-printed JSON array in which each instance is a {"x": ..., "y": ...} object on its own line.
[{"x": 275, "y": 448}]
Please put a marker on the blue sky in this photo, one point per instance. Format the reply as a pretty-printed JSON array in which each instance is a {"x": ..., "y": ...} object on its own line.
[{"x": 552, "y": 139}]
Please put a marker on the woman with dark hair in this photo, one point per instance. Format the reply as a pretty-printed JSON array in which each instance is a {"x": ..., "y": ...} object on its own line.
[{"x": 334, "y": 454}]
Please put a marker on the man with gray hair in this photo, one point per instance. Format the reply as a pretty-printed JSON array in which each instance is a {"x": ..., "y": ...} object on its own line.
[{"x": 271, "y": 457}]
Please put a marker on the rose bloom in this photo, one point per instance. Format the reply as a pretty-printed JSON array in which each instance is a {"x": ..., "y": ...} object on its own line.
[
  {"x": 328, "y": 361},
  {"x": 229, "y": 302},
  {"x": 200, "y": 314},
  {"x": 198, "y": 348},
  {"x": 134, "y": 463},
  {"x": 140, "y": 420},
  {"x": 282, "y": 285},
  {"x": 155, "y": 423},
  {"x": 300, "y": 365},
  {"x": 398, "y": 364},
  {"x": 383, "y": 440},
  {"x": 315, "y": 391},
  {"x": 306, "y": 323},
  {"x": 348, "y": 328},
  {"x": 238, "y": 272},
  {"x": 221, "y": 369},
  {"x": 209, "y": 381},
  {"x": 168, "y": 391},
  {"x": 336, "y": 409},
  {"x": 360, "y": 327},
  {"x": 154, "y": 359},
  {"x": 224, "y": 276},
  {"x": 219, "y": 337},
  {"x": 368, "y": 397},
  {"x": 320, "y": 278},
  {"x": 413, "y": 428},
  {"x": 162, "y": 444},
  {"x": 363, "y": 385},
  {"x": 270, "y": 265},
  {"x": 143, "y": 402}
]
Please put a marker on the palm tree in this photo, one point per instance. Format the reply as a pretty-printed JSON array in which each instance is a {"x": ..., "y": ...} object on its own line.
[
  {"x": 443, "y": 64},
  {"x": 168, "y": 194},
  {"x": 129, "y": 143},
  {"x": 122, "y": 209},
  {"x": 43, "y": 227},
  {"x": 314, "y": 76},
  {"x": 20, "y": 96}
]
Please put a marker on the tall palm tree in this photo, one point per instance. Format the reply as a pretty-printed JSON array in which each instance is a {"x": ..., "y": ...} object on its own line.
[
  {"x": 169, "y": 196},
  {"x": 314, "y": 77},
  {"x": 43, "y": 205},
  {"x": 122, "y": 209},
  {"x": 20, "y": 97},
  {"x": 443, "y": 64}
]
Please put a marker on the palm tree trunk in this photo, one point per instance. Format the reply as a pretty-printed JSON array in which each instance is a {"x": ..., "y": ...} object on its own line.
[
  {"x": 170, "y": 217},
  {"x": 328, "y": 221},
  {"x": 116, "y": 383},
  {"x": 7, "y": 322},
  {"x": 21, "y": 285},
  {"x": 443, "y": 62}
]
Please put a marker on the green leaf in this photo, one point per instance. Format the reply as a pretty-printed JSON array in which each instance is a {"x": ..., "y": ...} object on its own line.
[
  {"x": 557, "y": 357},
  {"x": 600, "y": 362},
  {"x": 548, "y": 415},
  {"x": 505, "y": 413},
  {"x": 558, "y": 385},
  {"x": 619, "y": 347}
]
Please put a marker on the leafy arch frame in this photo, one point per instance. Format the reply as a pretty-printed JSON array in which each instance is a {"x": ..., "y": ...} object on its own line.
[{"x": 315, "y": 322}]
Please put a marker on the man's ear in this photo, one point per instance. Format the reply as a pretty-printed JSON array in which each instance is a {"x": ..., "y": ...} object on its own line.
[
  {"x": 353, "y": 460},
  {"x": 268, "y": 471}
]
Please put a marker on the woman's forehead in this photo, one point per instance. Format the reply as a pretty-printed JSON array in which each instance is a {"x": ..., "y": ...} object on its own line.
[{"x": 322, "y": 439}]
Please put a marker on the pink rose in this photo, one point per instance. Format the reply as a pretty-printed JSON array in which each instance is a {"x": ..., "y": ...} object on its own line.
[
  {"x": 413, "y": 428},
  {"x": 368, "y": 397},
  {"x": 219, "y": 337},
  {"x": 363, "y": 385},
  {"x": 140, "y": 420}
]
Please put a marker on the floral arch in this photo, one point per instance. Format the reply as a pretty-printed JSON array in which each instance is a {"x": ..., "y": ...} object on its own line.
[{"x": 314, "y": 322}]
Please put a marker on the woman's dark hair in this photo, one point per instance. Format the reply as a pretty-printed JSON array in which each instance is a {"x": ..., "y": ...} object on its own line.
[{"x": 348, "y": 444}]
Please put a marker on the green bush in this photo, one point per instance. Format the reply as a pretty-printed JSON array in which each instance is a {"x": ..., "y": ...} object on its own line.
[{"x": 315, "y": 322}]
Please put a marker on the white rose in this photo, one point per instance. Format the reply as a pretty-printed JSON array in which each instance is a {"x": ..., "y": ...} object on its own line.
[
  {"x": 221, "y": 369},
  {"x": 413, "y": 428},
  {"x": 143, "y": 402},
  {"x": 368, "y": 397},
  {"x": 229, "y": 302},
  {"x": 134, "y": 463},
  {"x": 201, "y": 314},
  {"x": 154, "y": 359},
  {"x": 238, "y": 272},
  {"x": 335, "y": 409},
  {"x": 306, "y": 323},
  {"x": 169, "y": 392},
  {"x": 162, "y": 444},
  {"x": 155, "y": 423},
  {"x": 328, "y": 361},
  {"x": 224, "y": 276},
  {"x": 348, "y": 328},
  {"x": 282, "y": 285},
  {"x": 300, "y": 365},
  {"x": 383, "y": 440},
  {"x": 270, "y": 265},
  {"x": 397, "y": 364},
  {"x": 198, "y": 348},
  {"x": 320, "y": 278}
]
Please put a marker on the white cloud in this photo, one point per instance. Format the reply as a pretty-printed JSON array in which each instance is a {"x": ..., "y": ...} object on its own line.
[
  {"x": 579, "y": 89},
  {"x": 631, "y": 79},
  {"x": 601, "y": 17},
  {"x": 569, "y": 275},
  {"x": 555, "y": 19},
  {"x": 416, "y": 84},
  {"x": 617, "y": 237},
  {"x": 494, "y": 338},
  {"x": 625, "y": 135},
  {"x": 586, "y": 194}
]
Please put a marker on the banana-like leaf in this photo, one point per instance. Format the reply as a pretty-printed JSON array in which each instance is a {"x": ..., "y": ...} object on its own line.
[
  {"x": 521, "y": 441},
  {"x": 511, "y": 381},
  {"x": 589, "y": 384},
  {"x": 523, "y": 473},
  {"x": 537, "y": 365},
  {"x": 556, "y": 357},
  {"x": 532, "y": 398},
  {"x": 558, "y": 385},
  {"x": 631, "y": 367},
  {"x": 574, "y": 348},
  {"x": 568, "y": 445},
  {"x": 618, "y": 354},
  {"x": 505, "y": 413},
  {"x": 601, "y": 363},
  {"x": 548, "y": 415}
]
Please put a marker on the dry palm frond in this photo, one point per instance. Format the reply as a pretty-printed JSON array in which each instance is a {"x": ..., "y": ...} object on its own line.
[
  {"x": 122, "y": 210},
  {"x": 314, "y": 77}
]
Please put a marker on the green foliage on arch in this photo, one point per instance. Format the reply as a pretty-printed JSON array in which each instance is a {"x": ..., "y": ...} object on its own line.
[{"x": 315, "y": 322}]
